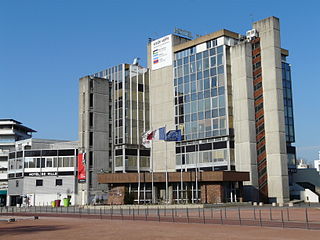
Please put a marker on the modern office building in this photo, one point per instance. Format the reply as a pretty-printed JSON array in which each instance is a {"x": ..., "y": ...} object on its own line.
[
  {"x": 41, "y": 171},
  {"x": 231, "y": 97},
  {"x": 113, "y": 114},
  {"x": 10, "y": 132}
]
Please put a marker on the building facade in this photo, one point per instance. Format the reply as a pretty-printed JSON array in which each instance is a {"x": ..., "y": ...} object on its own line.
[
  {"x": 41, "y": 171},
  {"x": 231, "y": 97},
  {"x": 113, "y": 114},
  {"x": 10, "y": 132}
]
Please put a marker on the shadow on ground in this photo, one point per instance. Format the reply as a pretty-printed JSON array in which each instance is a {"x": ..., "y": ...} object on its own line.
[{"x": 16, "y": 230}]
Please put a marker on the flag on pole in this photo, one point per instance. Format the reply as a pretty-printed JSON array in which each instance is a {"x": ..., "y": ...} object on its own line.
[
  {"x": 160, "y": 134},
  {"x": 147, "y": 138},
  {"x": 173, "y": 135}
]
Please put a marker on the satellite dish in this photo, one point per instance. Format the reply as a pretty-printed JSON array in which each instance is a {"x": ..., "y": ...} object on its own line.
[{"x": 136, "y": 61}]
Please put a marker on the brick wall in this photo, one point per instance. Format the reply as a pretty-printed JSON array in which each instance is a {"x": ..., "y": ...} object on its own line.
[
  {"x": 116, "y": 195},
  {"x": 212, "y": 193}
]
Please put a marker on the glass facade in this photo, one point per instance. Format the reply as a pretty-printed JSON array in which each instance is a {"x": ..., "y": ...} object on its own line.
[
  {"x": 130, "y": 115},
  {"x": 201, "y": 106},
  {"x": 200, "y": 93},
  {"x": 287, "y": 99}
]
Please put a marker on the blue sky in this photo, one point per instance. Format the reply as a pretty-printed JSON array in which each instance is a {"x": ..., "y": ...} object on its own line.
[{"x": 47, "y": 45}]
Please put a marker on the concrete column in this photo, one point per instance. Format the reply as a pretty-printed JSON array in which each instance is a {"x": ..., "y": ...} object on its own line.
[
  {"x": 277, "y": 169},
  {"x": 244, "y": 117}
]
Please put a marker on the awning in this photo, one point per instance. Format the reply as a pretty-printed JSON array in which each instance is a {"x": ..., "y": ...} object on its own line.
[{"x": 3, "y": 192}]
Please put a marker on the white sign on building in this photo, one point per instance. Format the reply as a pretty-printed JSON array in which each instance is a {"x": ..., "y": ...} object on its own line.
[{"x": 161, "y": 52}]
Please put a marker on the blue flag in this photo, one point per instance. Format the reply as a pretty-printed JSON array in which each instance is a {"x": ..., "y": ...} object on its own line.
[{"x": 173, "y": 135}]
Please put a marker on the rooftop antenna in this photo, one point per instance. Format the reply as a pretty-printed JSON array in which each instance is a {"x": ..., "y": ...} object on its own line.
[{"x": 251, "y": 15}]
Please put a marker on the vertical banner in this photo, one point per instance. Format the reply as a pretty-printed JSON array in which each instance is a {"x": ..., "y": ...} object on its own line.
[
  {"x": 81, "y": 168},
  {"x": 161, "y": 52}
]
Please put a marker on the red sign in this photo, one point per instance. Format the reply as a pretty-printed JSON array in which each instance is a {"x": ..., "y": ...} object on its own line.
[{"x": 81, "y": 167}]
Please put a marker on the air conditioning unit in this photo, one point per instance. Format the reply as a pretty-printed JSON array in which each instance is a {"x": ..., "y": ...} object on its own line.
[{"x": 252, "y": 34}]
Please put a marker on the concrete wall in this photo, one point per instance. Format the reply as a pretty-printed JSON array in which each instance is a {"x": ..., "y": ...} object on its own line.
[
  {"x": 244, "y": 116},
  {"x": 308, "y": 196},
  {"x": 277, "y": 169},
  {"x": 43, "y": 195},
  {"x": 100, "y": 130},
  {"x": 162, "y": 114}
]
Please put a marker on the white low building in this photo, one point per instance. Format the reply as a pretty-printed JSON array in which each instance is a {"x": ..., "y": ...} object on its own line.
[{"x": 41, "y": 171}]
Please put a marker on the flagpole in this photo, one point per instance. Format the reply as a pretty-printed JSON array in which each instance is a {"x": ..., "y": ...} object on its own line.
[
  {"x": 181, "y": 195},
  {"x": 152, "y": 180},
  {"x": 138, "y": 166},
  {"x": 167, "y": 199},
  {"x": 166, "y": 166},
  {"x": 197, "y": 173}
]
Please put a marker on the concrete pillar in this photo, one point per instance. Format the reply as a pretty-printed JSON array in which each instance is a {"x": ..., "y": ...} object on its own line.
[
  {"x": 277, "y": 168},
  {"x": 244, "y": 117}
]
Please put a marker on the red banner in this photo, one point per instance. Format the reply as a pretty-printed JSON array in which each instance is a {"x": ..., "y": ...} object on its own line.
[{"x": 81, "y": 167}]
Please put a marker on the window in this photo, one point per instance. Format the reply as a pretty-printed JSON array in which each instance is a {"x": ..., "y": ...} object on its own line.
[
  {"x": 90, "y": 119},
  {"x": 39, "y": 182},
  {"x": 58, "y": 182},
  {"x": 91, "y": 158},
  {"x": 91, "y": 100},
  {"x": 49, "y": 162},
  {"x": 90, "y": 139}
]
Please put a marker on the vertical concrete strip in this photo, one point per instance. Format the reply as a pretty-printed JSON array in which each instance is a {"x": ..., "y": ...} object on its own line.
[
  {"x": 244, "y": 116},
  {"x": 277, "y": 169}
]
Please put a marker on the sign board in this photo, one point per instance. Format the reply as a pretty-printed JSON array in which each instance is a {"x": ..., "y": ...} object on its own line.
[
  {"x": 161, "y": 52},
  {"x": 183, "y": 32},
  {"x": 81, "y": 168}
]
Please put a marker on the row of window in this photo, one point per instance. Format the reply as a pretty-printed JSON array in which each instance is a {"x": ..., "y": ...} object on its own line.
[
  {"x": 39, "y": 182},
  {"x": 208, "y": 134},
  {"x": 200, "y": 95},
  {"x": 213, "y": 156},
  {"x": 40, "y": 153},
  {"x": 201, "y": 84},
  {"x": 48, "y": 162},
  {"x": 191, "y": 53},
  {"x": 132, "y": 162},
  {"x": 201, "y": 71}
]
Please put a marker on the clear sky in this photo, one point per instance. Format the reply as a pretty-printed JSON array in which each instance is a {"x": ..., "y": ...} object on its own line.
[{"x": 47, "y": 45}]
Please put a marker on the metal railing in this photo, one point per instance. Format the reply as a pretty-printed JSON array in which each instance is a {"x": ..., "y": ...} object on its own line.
[{"x": 284, "y": 217}]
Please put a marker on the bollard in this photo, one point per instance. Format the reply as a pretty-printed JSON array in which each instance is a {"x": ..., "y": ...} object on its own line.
[
  {"x": 204, "y": 217},
  {"x": 239, "y": 215},
  {"x": 187, "y": 214},
  {"x": 260, "y": 218},
  {"x": 307, "y": 220},
  {"x": 172, "y": 214},
  {"x": 145, "y": 213},
  {"x": 133, "y": 213},
  {"x": 121, "y": 212}
]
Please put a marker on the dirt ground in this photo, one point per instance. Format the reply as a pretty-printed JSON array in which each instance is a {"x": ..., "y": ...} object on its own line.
[{"x": 77, "y": 229}]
